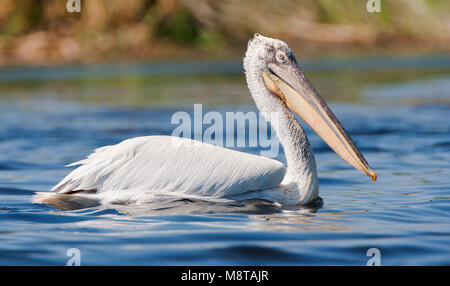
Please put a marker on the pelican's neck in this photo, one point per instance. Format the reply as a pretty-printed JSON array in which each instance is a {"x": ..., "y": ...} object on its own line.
[{"x": 301, "y": 172}]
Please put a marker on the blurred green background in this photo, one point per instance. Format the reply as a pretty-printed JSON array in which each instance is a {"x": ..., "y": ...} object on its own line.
[{"x": 44, "y": 32}]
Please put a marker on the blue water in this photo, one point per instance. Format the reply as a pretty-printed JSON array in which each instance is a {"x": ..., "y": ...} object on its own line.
[{"x": 399, "y": 118}]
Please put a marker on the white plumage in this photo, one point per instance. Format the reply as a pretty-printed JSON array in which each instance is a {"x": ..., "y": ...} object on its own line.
[{"x": 167, "y": 164}]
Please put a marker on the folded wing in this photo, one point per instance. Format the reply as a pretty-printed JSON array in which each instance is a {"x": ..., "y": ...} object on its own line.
[{"x": 172, "y": 164}]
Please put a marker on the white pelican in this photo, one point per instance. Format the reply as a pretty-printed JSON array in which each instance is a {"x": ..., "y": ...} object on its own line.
[{"x": 136, "y": 169}]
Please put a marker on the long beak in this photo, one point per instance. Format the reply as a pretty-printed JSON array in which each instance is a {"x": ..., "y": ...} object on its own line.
[{"x": 291, "y": 85}]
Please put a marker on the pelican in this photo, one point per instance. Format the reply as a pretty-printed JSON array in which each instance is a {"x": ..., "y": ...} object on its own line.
[{"x": 136, "y": 169}]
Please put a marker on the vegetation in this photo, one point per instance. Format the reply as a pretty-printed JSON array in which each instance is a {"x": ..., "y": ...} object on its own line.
[{"x": 42, "y": 31}]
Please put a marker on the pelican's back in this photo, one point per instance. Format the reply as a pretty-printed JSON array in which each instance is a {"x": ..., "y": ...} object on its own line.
[{"x": 172, "y": 164}]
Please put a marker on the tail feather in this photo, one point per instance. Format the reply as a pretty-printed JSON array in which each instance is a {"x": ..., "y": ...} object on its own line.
[{"x": 64, "y": 201}]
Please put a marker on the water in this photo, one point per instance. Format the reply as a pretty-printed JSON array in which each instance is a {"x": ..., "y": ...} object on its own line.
[{"x": 398, "y": 114}]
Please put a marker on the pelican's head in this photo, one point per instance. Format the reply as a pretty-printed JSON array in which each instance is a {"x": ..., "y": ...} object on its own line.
[{"x": 274, "y": 77}]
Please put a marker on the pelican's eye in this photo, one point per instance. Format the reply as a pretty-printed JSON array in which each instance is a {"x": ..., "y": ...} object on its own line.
[{"x": 281, "y": 57}]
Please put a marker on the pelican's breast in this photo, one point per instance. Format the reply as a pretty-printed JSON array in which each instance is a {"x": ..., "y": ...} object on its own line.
[{"x": 172, "y": 164}]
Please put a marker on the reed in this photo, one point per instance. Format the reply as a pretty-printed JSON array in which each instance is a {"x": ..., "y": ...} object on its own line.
[{"x": 42, "y": 31}]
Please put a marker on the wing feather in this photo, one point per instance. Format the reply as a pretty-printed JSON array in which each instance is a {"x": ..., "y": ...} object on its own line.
[{"x": 172, "y": 164}]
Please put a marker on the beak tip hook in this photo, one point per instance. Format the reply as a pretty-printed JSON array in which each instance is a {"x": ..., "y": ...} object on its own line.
[{"x": 374, "y": 177}]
